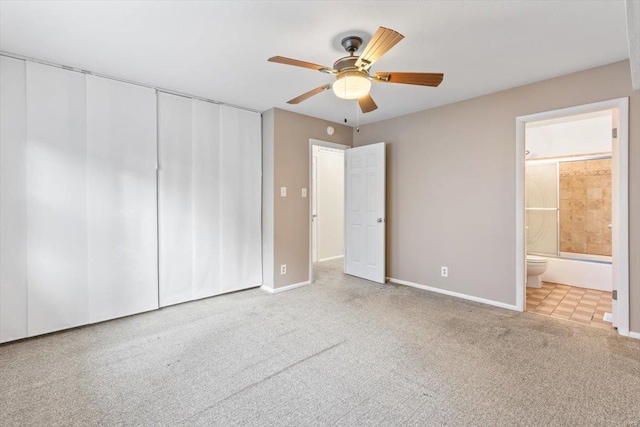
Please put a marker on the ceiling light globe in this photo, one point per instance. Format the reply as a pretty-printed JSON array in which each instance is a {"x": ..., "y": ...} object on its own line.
[{"x": 351, "y": 85}]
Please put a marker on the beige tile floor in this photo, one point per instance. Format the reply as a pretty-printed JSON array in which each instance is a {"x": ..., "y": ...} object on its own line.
[{"x": 570, "y": 303}]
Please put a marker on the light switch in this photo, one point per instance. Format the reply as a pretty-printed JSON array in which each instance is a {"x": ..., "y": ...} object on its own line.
[
  {"x": 304, "y": 192},
  {"x": 283, "y": 191}
]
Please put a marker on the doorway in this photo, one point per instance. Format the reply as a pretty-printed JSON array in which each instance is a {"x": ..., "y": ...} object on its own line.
[
  {"x": 572, "y": 214},
  {"x": 362, "y": 213},
  {"x": 327, "y": 203},
  {"x": 327, "y": 162}
]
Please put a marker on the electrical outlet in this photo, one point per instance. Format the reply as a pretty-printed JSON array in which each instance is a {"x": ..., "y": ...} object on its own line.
[
  {"x": 444, "y": 271},
  {"x": 304, "y": 192},
  {"x": 283, "y": 269},
  {"x": 283, "y": 191}
]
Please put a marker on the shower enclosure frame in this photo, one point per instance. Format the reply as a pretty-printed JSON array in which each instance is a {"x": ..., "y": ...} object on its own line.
[
  {"x": 620, "y": 205},
  {"x": 557, "y": 161},
  {"x": 556, "y": 209}
]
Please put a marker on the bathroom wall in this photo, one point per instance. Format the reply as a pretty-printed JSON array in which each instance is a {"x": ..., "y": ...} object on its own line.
[
  {"x": 580, "y": 134},
  {"x": 585, "y": 207}
]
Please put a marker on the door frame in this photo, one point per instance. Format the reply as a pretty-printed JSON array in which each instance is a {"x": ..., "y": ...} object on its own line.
[
  {"x": 319, "y": 143},
  {"x": 313, "y": 195},
  {"x": 620, "y": 207}
]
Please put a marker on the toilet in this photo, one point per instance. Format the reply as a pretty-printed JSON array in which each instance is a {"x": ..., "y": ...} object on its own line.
[{"x": 536, "y": 265}]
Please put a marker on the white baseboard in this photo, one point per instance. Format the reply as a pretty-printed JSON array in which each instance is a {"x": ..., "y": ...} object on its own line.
[
  {"x": 284, "y": 288},
  {"x": 630, "y": 334},
  {"x": 454, "y": 294},
  {"x": 330, "y": 258}
]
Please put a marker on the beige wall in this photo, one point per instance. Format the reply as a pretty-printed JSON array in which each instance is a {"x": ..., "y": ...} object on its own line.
[
  {"x": 268, "y": 194},
  {"x": 451, "y": 183},
  {"x": 290, "y": 147}
]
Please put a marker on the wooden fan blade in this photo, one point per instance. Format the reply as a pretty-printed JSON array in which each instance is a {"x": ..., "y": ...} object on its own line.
[
  {"x": 367, "y": 104},
  {"x": 422, "y": 79},
  {"x": 303, "y": 64},
  {"x": 309, "y": 94},
  {"x": 381, "y": 42}
]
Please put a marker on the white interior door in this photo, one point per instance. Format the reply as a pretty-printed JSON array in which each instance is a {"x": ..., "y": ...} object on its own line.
[{"x": 365, "y": 212}]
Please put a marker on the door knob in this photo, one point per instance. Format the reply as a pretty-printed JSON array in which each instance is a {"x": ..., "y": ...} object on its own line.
[
  {"x": 610, "y": 226},
  {"x": 379, "y": 219}
]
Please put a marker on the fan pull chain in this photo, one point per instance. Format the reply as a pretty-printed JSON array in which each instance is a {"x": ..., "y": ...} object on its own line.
[
  {"x": 345, "y": 103},
  {"x": 357, "y": 126},
  {"x": 345, "y": 111}
]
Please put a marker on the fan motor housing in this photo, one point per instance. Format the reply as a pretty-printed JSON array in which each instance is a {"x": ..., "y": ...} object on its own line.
[
  {"x": 351, "y": 43},
  {"x": 346, "y": 62}
]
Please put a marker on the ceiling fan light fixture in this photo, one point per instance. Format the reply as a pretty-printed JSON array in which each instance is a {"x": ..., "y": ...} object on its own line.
[
  {"x": 351, "y": 85},
  {"x": 351, "y": 72}
]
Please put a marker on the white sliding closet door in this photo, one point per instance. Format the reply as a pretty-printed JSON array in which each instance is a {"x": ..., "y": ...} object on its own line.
[
  {"x": 209, "y": 199},
  {"x": 80, "y": 199},
  {"x": 13, "y": 201},
  {"x": 188, "y": 191},
  {"x": 56, "y": 199},
  {"x": 175, "y": 199},
  {"x": 121, "y": 199},
  {"x": 240, "y": 199},
  {"x": 206, "y": 201}
]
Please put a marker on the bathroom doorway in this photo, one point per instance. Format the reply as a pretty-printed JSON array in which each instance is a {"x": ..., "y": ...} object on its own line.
[
  {"x": 326, "y": 205},
  {"x": 572, "y": 213}
]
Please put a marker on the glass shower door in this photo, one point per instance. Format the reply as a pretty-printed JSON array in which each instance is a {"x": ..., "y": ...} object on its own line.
[{"x": 541, "y": 198}]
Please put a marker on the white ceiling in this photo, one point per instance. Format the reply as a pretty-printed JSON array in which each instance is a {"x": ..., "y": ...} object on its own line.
[{"x": 219, "y": 50}]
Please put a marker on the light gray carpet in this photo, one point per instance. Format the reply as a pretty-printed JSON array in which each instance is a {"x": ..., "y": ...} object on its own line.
[{"x": 342, "y": 352}]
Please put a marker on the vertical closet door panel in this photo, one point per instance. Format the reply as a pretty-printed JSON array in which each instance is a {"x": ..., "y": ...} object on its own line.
[
  {"x": 122, "y": 209},
  {"x": 56, "y": 199},
  {"x": 206, "y": 201},
  {"x": 13, "y": 203},
  {"x": 240, "y": 199},
  {"x": 175, "y": 199}
]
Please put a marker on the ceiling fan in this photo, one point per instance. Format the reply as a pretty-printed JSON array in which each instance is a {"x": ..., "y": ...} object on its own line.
[{"x": 353, "y": 80}]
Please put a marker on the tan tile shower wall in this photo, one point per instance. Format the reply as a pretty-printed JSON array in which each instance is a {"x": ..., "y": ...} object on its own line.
[{"x": 585, "y": 207}]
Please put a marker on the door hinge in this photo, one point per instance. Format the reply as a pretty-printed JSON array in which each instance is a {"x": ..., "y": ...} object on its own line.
[
  {"x": 614, "y": 132},
  {"x": 614, "y": 295}
]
